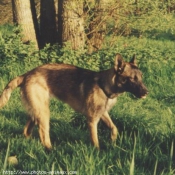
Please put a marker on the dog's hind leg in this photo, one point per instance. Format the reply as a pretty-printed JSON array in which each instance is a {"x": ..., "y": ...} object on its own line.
[
  {"x": 36, "y": 101},
  {"x": 107, "y": 120},
  {"x": 29, "y": 128},
  {"x": 44, "y": 127}
]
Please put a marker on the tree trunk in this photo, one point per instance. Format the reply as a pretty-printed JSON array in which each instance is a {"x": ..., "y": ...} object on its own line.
[
  {"x": 97, "y": 26},
  {"x": 22, "y": 15},
  {"x": 73, "y": 24},
  {"x": 60, "y": 21},
  {"x": 48, "y": 29}
]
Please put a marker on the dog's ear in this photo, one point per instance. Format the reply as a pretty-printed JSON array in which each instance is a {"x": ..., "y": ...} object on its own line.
[
  {"x": 133, "y": 60},
  {"x": 119, "y": 64}
]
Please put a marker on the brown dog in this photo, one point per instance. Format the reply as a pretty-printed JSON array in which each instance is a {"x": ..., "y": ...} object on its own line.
[{"x": 91, "y": 93}]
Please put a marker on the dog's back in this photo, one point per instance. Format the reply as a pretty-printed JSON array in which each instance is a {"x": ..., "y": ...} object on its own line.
[{"x": 68, "y": 83}]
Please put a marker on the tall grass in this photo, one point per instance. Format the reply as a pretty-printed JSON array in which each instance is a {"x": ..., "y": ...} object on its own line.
[{"x": 145, "y": 144}]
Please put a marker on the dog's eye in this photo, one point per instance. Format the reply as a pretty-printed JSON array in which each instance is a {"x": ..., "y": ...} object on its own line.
[
  {"x": 131, "y": 78},
  {"x": 123, "y": 79}
]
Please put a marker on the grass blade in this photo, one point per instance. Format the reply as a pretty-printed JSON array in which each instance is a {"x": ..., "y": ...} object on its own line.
[
  {"x": 6, "y": 156},
  {"x": 155, "y": 168},
  {"x": 171, "y": 155},
  {"x": 132, "y": 165}
]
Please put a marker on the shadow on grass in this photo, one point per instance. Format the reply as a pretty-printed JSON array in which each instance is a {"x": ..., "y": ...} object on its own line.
[
  {"x": 68, "y": 131},
  {"x": 14, "y": 121},
  {"x": 154, "y": 34},
  {"x": 61, "y": 130}
]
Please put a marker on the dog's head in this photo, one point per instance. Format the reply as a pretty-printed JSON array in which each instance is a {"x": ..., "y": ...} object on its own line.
[{"x": 128, "y": 77}]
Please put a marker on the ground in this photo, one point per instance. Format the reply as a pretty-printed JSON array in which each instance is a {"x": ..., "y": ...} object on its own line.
[{"x": 5, "y": 12}]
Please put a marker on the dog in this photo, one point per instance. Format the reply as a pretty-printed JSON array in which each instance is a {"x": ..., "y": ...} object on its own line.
[{"x": 91, "y": 93}]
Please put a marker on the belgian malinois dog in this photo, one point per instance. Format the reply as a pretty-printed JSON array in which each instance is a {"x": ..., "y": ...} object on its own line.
[{"x": 91, "y": 93}]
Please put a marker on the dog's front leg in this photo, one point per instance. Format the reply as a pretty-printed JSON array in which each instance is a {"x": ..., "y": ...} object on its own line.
[
  {"x": 107, "y": 120},
  {"x": 92, "y": 123}
]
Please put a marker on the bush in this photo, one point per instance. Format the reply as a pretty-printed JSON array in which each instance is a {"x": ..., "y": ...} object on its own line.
[{"x": 16, "y": 57}]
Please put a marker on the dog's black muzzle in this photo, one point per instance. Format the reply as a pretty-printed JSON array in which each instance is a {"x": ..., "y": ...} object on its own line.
[
  {"x": 142, "y": 92},
  {"x": 138, "y": 90}
]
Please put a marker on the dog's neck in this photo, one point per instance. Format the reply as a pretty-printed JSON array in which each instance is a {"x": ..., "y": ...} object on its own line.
[{"x": 105, "y": 82}]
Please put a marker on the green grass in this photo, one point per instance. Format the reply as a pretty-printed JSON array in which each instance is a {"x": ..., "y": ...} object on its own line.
[{"x": 145, "y": 145}]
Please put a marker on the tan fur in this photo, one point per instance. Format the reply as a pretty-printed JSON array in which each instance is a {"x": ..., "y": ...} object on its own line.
[
  {"x": 8, "y": 90},
  {"x": 91, "y": 93}
]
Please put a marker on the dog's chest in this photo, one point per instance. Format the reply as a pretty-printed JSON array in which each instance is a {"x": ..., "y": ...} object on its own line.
[{"x": 110, "y": 103}]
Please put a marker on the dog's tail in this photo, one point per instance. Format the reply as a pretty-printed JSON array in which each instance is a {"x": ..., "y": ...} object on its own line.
[{"x": 8, "y": 90}]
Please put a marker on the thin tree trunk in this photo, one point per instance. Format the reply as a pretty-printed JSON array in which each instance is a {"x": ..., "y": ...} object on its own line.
[
  {"x": 22, "y": 15},
  {"x": 60, "y": 21},
  {"x": 97, "y": 26},
  {"x": 73, "y": 23},
  {"x": 35, "y": 21},
  {"x": 48, "y": 22}
]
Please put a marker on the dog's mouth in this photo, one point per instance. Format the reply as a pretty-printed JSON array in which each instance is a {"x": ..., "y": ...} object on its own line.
[
  {"x": 140, "y": 96},
  {"x": 143, "y": 97}
]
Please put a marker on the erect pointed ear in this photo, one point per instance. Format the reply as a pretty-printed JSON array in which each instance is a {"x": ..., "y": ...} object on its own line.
[
  {"x": 133, "y": 60},
  {"x": 119, "y": 64}
]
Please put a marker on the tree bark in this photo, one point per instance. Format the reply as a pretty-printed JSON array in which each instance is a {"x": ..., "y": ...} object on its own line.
[
  {"x": 60, "y": 21},
  {"x": 97, "y": 26},
  {"x": 22, "y": 15},
  {"x": 48, "y": 29},
  {"x": 73, "y": 24}
]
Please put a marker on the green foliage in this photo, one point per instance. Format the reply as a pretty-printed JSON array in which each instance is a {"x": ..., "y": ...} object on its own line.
[
  {"x": 131, "y": 17},
  {"x": 14, "y": 55}
]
